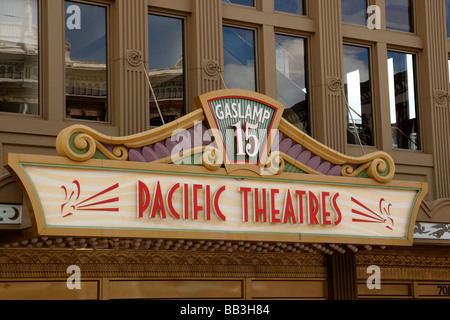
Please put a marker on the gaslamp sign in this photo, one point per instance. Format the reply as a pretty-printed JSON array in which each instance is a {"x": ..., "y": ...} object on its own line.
[{"x": 255, "y": 177}]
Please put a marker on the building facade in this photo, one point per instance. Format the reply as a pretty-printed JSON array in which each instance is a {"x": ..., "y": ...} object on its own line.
[{"x": 357, "y": 76}]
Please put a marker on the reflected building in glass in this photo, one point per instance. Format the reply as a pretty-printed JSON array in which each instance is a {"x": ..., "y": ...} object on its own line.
[
  {"x": 86, "y": 63},
  {"x": 19, "y": 57}
]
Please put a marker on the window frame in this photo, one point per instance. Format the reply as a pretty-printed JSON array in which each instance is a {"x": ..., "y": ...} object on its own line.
[
  {"x": 308, "y": 80},
  {"x": 40, "y": 66},
  {"x": 373, "y": 80},
  {"x": 109, "y": 112},
  {"x": 256, "y": 41},
  {"x": 186, "y": 57},
  {"x": 418, "y": 108}
]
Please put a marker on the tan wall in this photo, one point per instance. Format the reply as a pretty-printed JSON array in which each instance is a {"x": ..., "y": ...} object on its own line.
[{"x": 325, "y": 33}]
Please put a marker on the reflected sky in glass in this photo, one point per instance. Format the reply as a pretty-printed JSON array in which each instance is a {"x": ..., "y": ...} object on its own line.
[
  {"x": 241, "y": 2},
  {"x": 354, "y": 11},
  {"x": 166, "y": 64},
  {"x": 292, "y": 80},
  {"x": 447, "y": 10},
  {"x": 165, "y": 45},
  {"x": 289, "y": 6},
  {"x": 402, "y": 100},
  {"x": 239, "y": 58},
  {"x": 88, "y": 44},
  {"x": 399, "y": 15},
  {"x": 359, "y": 96}
]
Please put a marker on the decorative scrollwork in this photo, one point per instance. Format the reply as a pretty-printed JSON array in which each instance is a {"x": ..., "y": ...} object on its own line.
[
  {"x": 377, "y": 166},
  {"x": 212, "y": 158},
  {"x": 274, "y": 164},
  {"x": 80, "y": 143}
]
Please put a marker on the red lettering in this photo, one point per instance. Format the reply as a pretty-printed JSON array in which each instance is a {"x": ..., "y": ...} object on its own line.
[
  {"x": 245, "y": 203},
  {"x": 325, "y": 213},
  {"x": 186, "y": 201},
  {"x": 300, "y": 195},
  {"x": 169, "y": 201},
  {"x": 158, "y": 203},
  {"x": 208, "y": 202},
  {"x": 195, "y": 207},
  {"x": 336, "y": 208},
  {"x": 273, "y": 211},
  {"x": 143, "y": 198},
  {"x": 216, "y": 204},
  {"x": 288, "y": 209},
  {"x": 260, "y": 210},
  {"x": 313, "y": 204}
]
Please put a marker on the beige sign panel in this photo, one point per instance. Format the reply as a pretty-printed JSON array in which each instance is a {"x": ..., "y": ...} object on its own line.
[
  {"x": 233, "y": 169},
  {"x": 106, "y": 198}
]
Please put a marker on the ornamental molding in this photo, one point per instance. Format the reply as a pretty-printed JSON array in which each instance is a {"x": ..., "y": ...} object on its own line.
[
  {"x": 23, "y": 263},
  {"x": 441, "y": 97},
  {"x": 134, "y": 57},
  {"x": 405, "y": 267},
  {"x": 334, "y": 84},
  {"x": 212, "y": 68}
]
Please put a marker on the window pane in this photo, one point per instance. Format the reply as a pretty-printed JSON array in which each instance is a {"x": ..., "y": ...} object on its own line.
[
  {"x": 290, "y": 6},
  {"x": 86, "y": 62},
  {"x": 399, "y": 15},
  {"x": 239, "y": 58},
  {"x": 354, "y": 11},
  {"x": 19, "y": 61},
  {"x": 292, "y": 79},
  {"x": 359, "y": 95},
  {"x": 402, "y": 98},
  {"x": 447, "y": 10},
  {"x": 242, "y": 2},
  {"x": 166, "y": 64}
]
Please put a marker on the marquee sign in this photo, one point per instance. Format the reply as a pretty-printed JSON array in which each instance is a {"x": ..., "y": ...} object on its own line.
[{"x": 244, "y": 173}]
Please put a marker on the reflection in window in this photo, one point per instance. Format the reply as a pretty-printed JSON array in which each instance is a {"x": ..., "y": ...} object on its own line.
[
  {"x": 399, "y": 15},
  {"x": 292, "y": 79},
  {"x": 447, "y": 10},
  {"x": 86, "y": 62},
  {"x": 239, "y": 58},
  {"x": 19, "y": 63},
  {"x": 166, "y": 67},
  {"x": 249, "y": 3},
  {"x": 354, "y": 11},
  {"x": 402, "y": 98},
  {"x": 359, "y": 95},
  {"x": 289, "y": 6}
]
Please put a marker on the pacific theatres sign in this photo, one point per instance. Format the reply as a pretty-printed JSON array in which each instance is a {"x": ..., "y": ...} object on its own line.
[{"x": 233, "y": 169}]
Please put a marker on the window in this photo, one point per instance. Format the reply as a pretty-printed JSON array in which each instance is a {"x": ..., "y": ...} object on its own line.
[
  {"x": 166, "y": 67},
  {"x": 292, "y": 77},
  {"x": 19, "y": 58},
  {"x": 239, "y": 58},
  {"x": 447, "y": 10},
  {"x": 354, "y": 11},
  {"x": 86, "y": 61},
  {"x": 357, "y": 82},
  {"x": 249, "y": 3},
  {"x": 289, "y": 6},
  {"x": 399, "y": 15},
  {"x": 402, "y": 97}
]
